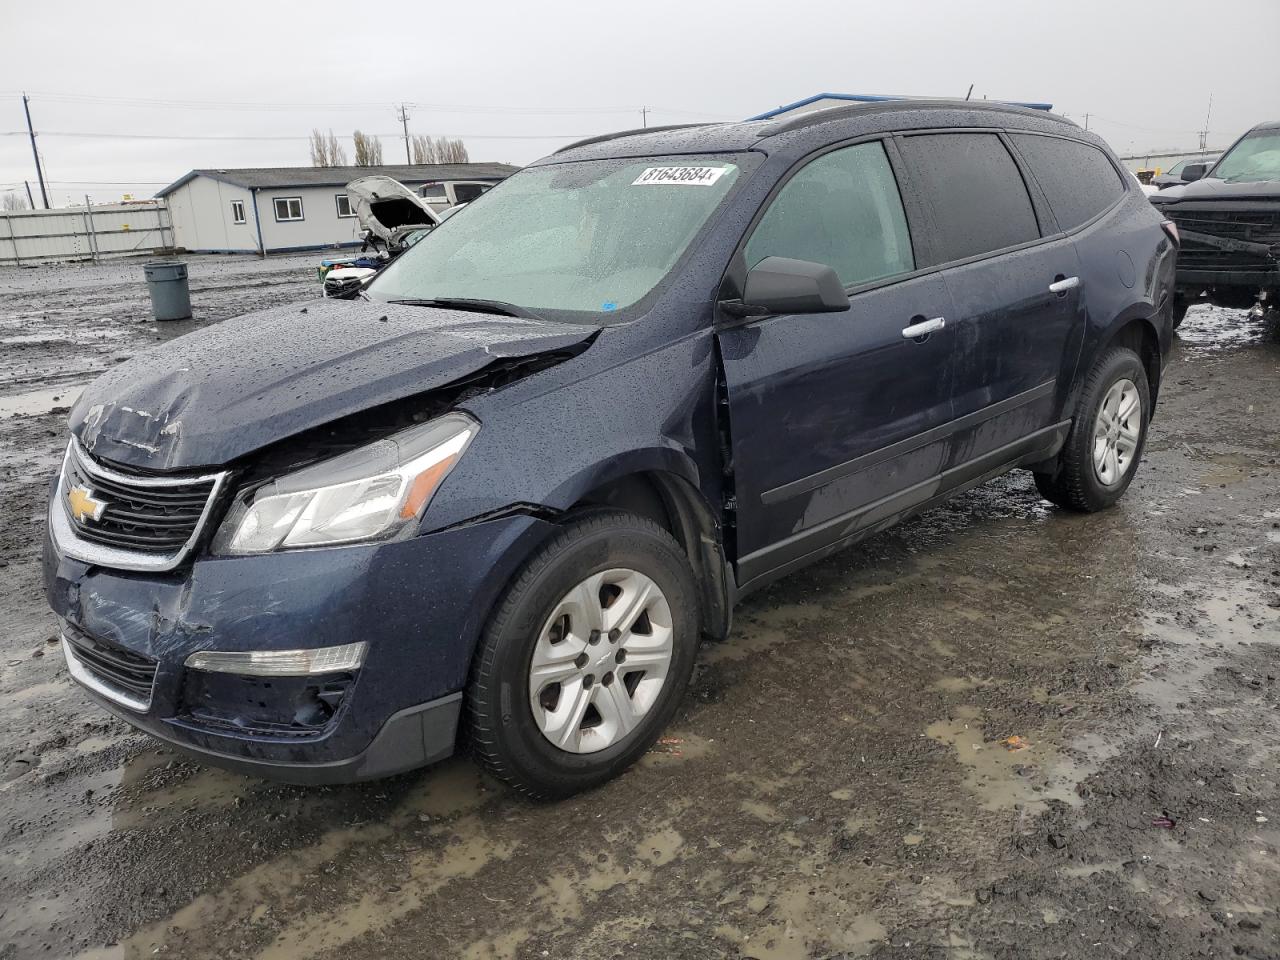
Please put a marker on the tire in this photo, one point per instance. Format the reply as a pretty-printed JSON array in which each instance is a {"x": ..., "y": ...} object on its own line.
[
  {"x": 1078, "y": 484},
  {"x": 547, "y": 613}
]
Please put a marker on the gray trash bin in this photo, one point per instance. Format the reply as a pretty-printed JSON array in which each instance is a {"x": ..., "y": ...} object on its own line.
[{"x": 167, "y": 284}]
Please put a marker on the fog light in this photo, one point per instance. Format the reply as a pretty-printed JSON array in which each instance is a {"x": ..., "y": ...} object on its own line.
[{"x": 280, "y": 663}]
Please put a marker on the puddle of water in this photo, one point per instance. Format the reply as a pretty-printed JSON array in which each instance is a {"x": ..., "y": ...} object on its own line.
[
  {"x": 36, "y": 402},
  {"x": 1002, "y": 778}
]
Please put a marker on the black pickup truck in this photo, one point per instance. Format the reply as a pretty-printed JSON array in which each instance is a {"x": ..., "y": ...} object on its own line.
[{"x": 1229, "y": 221}]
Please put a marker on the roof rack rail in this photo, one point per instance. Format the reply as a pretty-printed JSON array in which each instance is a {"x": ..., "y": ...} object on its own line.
[
  {"x": 881, "y": 98},
  {"x": 627, "y": 133},
  {"x": 800, "y": 120}
]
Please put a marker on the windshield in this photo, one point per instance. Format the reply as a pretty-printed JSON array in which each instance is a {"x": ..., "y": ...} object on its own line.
[
  {"x": 1177, "y": 168},
  {"x": 594, "y": 236},
  {"x": 1256, "y": 157}
]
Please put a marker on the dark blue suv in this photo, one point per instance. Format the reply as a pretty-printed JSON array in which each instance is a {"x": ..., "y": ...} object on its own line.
[{"x": 502, "y": 496}]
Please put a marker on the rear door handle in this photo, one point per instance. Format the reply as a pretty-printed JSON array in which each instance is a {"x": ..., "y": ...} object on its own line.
[
  {"x": 1063, "y": 285},
  {"x": 924, "y": 328}
]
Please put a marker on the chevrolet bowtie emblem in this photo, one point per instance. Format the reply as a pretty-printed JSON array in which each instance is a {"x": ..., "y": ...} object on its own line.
[{"x": 84, "y": 506}]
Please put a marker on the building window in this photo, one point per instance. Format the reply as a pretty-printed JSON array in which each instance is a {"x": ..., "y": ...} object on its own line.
[
  {"x": 237, "y": 211},
  {"x": 288, "y": 208},
  {"x": 344, "y": 206}
]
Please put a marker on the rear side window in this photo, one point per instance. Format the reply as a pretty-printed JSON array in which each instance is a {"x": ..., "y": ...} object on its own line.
[
  {"x": 842, "y": 210},
  {"x": 978, "y": 198},
  {"x": 1078, "y": 180}
]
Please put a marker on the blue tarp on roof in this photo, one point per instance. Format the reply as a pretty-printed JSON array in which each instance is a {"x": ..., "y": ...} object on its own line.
[{"x": 871, "y": 98}]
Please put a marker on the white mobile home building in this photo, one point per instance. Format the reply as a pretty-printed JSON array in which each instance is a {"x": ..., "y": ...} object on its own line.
[{"x": 282, "y": 209}]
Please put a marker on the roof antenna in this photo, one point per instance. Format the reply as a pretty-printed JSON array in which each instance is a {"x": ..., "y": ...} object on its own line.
[{"x": 970, "y": 93}]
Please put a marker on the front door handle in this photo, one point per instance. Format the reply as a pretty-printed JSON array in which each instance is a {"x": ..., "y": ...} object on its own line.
[
  {"x": 1063, "y": 285},
  {"x": 924, "y": 328}
]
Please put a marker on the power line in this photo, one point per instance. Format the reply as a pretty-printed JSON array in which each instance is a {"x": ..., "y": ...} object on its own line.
[
  {"x": 171, "y": 136},
  {"x": 176, "y": 104}
]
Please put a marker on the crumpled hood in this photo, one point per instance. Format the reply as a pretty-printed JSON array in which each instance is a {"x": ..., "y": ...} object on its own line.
[{"x": 230, "y": 389}]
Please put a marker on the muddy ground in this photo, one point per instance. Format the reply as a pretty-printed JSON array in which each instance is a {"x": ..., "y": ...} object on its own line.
[{"x": 998, "y": 731}]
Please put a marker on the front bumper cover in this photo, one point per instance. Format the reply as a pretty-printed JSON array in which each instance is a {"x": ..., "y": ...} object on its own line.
[{"x": 419, "y": 603}]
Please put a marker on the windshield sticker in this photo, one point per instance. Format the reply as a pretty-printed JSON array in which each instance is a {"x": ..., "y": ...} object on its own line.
[
  {"x": 679, "y": 176},
  {"x": 608, "y": 305}
]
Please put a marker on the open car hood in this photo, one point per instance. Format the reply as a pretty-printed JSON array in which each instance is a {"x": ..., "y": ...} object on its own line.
[
  {"x": 228, "y": 390},
  {"x": 385, "y": 205}
]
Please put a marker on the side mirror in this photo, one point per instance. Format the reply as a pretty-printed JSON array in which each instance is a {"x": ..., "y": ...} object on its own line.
[
  {"x": 1193, "y": 171},
  {"x": 782, "y": 285}
]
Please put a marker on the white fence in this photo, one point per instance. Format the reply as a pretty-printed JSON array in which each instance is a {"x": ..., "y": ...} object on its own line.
[{"x": 84, "y": 233}]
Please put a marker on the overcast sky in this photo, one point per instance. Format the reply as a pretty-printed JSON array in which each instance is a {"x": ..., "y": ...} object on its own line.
[{"x": 517, "y": 79}]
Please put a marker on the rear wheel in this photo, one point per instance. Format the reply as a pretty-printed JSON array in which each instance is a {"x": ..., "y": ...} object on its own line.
[
  {"x": 1180, "y": 308},
  {"x": 1108, "y": 434},
  {"x": 587, "y": 657}
]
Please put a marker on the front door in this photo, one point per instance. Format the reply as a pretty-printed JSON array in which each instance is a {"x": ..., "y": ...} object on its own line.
[{"x": 836, "y": 419}]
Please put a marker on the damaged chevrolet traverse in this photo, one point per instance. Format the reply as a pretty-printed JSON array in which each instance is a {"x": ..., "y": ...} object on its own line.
[{"x": 501, "y": 498}]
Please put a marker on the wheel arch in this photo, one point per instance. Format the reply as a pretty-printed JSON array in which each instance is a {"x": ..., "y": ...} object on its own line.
[
  {"x": 1138, "y": 332},
  {"x": 675, "y": 503}
]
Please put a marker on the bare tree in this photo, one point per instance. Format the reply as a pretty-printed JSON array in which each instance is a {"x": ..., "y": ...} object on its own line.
[
  {"x": 451, "y": 151},
  {"x": 319, "y": 149},
  {"x": 337, "y": 152},
  {"x": 423, "y": 148},
  {"x": 438, "y": 150},
  {"x": 368, "y": 149},
  {"x": 326, "y": 151},
  {"x": 13, "y": 201}
]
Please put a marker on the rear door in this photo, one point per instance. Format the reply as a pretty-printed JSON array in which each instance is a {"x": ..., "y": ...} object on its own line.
[
  {"x": 1014, "y": 283},
  {"x": 836, "y": 417}
]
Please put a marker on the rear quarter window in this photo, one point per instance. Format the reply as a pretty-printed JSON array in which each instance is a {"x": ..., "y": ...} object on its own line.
[
  {"x": 1078, "y": 180},
  {"x": 976, "y": 193}
]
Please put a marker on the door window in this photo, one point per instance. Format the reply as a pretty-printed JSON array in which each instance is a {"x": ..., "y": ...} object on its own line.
[
  {"x": 843, "y": 210},
  {"x": 979, "y": 201},
  {"x": 466, "y": 192},
  {"x": 1078, "y": 180}
]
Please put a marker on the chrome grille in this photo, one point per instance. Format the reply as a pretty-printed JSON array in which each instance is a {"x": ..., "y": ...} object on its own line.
[{"x": 129, "y": 520}]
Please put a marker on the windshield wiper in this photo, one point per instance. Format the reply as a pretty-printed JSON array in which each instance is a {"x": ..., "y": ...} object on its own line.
[{"x": 500, "y": 307}]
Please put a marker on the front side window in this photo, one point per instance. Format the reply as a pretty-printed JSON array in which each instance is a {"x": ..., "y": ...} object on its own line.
[
  {"x": 1256, "y": 157},
  {"x": 593, "y": 236},
  {"x": 976, "y": 193},
  {"x": 1077, "y": 179},
  {"x": 466, "y": 192},
  {"x": 433, "y": 193},
  {"x": 344, "y": 206},
  {"x": 842, "y": 210},
  {"x": 288, "y": 208},
  {"x": 237, "y": 211}
]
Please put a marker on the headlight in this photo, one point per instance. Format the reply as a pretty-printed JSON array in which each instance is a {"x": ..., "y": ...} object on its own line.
[{"x": 370, "y": 493}]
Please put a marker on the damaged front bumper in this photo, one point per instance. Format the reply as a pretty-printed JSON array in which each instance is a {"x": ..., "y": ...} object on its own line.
[{"x": 418, "y": 605}]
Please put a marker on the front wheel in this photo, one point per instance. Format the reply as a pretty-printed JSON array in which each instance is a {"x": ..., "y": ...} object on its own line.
[
  {"x": 586, "y": 658},
  {"x": 1108, "y": 434}
]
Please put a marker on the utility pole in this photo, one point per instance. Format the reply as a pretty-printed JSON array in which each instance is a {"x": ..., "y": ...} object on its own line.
[
  {"x": 644, "y": 117},
  {"x": 1204, "y": 134},
  {"x": 1086, "y": 122},
  {"x": 30, "y": 203},
  {"x": 403, "y": 117},
  {"x": 34, "y": 152}
]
